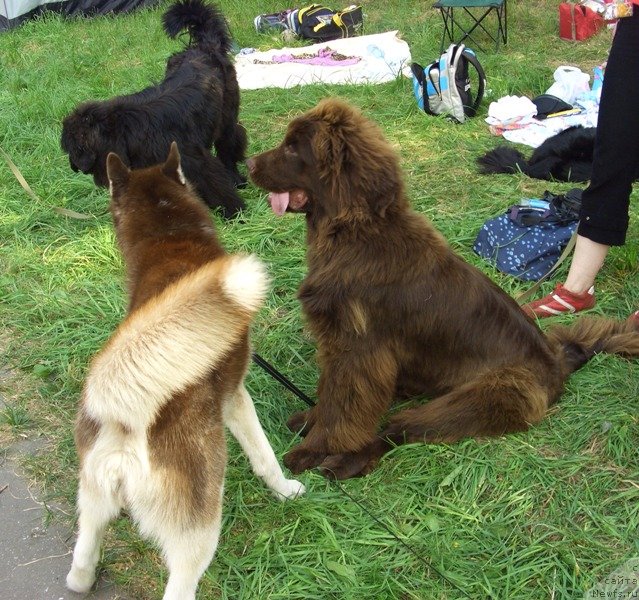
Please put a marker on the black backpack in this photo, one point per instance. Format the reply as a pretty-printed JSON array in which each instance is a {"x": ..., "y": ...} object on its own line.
[{"x": 322, "y": 24}]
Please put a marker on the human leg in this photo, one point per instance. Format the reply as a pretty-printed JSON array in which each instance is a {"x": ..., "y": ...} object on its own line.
[
  {"x": 586, "y": 263},
  {"x": 604, "y": 211}
]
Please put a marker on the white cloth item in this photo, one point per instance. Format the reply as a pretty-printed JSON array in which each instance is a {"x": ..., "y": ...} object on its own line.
[
  {"x": 383, "y": 57},
  {"x": 537, "y": 132},
  {"x": 570, "y": 83},
  {"x": 511, "y": 108}
]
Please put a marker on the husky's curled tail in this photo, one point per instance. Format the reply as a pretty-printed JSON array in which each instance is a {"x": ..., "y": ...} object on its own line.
[{"x": 173, "y": 340}]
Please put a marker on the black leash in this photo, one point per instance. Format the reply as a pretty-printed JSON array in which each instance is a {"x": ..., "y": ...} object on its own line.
[
  {"x": 426, "y": 561},
  {"x": 275, "y": 374}
]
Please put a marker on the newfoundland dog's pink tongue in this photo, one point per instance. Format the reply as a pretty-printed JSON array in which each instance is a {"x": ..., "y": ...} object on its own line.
[{"x": 279, "y": 202}]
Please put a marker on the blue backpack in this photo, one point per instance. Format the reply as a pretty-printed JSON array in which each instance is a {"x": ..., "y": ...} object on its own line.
[
  {"x": 528, "y": 239},
  {"x": 444, "y": 86}
]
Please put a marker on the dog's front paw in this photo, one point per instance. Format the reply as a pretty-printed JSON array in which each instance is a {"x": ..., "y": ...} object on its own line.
[
  {"x": 347, "y": 465},
  {"x": 354, "y": 464},
  {"x": 289, "y": 488},
  {"x": 300, "y": 422},
  {"x": 239, "y": 180},
  {"x": 80, "y": 580},
  {"x": 300, "y": 459}
]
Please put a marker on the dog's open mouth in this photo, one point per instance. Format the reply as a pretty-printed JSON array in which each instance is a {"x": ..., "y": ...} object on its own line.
[{"x": 293, "y": 200}]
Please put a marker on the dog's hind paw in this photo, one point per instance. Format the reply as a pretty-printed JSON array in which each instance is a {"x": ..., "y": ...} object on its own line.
[
  {"x": 354, "y": 464},
  {"x": 289, "y": 489}
]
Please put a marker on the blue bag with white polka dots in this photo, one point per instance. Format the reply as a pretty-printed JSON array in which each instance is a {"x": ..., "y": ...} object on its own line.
[{"x": 529, "y": 238}]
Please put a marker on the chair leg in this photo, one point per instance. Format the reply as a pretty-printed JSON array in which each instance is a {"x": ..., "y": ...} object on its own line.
[
  {"x": 449, "y": 33},
  {"x": 502, "y": 26},
  {"x": 505, "y": 23},
  {"x": 501, "y": 35}
]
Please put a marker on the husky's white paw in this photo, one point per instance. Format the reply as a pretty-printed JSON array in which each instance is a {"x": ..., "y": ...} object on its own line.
[
  {"x": 289, "y": 488},
  {"x": 80, "y": 580}
]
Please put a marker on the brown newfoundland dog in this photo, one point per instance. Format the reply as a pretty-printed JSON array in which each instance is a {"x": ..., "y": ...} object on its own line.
[{"x": 396, "y": 313}]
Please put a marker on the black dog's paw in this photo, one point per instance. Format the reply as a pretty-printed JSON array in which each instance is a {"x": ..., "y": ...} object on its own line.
[{"x": 239, "y": 181}]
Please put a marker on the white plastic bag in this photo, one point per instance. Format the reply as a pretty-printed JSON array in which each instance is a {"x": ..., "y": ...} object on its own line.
[{"x": 570, "y": 83}]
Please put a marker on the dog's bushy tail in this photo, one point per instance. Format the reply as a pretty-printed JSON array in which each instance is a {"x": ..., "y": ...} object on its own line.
[
  {"x": 204, "y": 22},
  {"x": 173, "y": 340},
  {"x": 502, "y": 159},
  {"x": 589, "y": 336}
]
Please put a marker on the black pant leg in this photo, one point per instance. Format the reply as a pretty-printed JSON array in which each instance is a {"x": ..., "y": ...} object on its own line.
[{"x": 604, "y": 212}]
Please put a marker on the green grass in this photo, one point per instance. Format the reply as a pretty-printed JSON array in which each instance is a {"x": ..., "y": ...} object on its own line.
[{"x": 545, "y": 514}]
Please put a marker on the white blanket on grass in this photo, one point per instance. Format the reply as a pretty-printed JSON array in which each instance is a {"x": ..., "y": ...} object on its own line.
[{"x": 383, "y": 57}]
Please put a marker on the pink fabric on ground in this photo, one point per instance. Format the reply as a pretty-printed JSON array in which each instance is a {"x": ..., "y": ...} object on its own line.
[{"x": 325, "y": 57}]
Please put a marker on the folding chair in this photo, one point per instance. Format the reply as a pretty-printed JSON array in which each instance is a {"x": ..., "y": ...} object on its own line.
[{"x": 476, "y": 17}]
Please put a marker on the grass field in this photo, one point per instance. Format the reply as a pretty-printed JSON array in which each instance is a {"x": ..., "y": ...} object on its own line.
[{"x": 541, "y": 515}]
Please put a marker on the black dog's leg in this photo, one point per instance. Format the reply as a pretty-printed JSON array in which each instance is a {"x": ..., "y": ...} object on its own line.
[
  {"x": 212, "y": 181},
  {"x": 231, "y": 150},
  {"x": 548, "y": 167},
  {"x": 555, "y": 167}
]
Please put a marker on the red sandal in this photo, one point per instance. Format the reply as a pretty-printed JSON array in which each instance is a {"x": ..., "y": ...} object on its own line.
[{"x": 560, "y": 301}]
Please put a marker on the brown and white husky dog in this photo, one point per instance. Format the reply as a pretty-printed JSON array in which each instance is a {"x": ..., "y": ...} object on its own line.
[{"x": 150, "y": 428}]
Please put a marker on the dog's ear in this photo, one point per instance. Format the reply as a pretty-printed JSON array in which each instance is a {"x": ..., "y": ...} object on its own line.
[
  {"x": 331, "y": 156},
  {"x": 117, "y": 172},
  {"x": 80, "y": 140},
  {"x": 355, "y": 160},
  {"x": 172, "y": 167},
  {"x": 379, "y": 176},
  {"x": 359, "y": 166}
]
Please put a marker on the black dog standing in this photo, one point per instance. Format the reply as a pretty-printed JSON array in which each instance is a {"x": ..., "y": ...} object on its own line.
[{"x": 196, "y": 105}]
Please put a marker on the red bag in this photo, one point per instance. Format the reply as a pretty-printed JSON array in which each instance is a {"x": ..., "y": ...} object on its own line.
[{"x": 577, "y": 22}]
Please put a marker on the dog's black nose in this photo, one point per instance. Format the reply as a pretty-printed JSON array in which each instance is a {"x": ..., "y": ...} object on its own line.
[{"x": 250, "y": 164}]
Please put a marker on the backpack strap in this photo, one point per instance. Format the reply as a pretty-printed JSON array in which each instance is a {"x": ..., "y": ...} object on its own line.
[
  {"x": 422, "y": 75},
  {"x": 454, "y": 100},
  {"x": 521, "y": 298},
  {"x": 435, "y": 84},
  {"x": 472, "y": 59}
]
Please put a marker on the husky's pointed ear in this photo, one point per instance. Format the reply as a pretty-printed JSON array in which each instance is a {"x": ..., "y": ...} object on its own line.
[
  {"x": 172, "y": 167},
  {"x": 117, "y": 172}
]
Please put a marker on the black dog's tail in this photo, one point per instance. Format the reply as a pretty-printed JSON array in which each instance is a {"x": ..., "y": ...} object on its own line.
[
  {"x": 502, "y": 160},
  {"x": 204, "y": 22}
]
